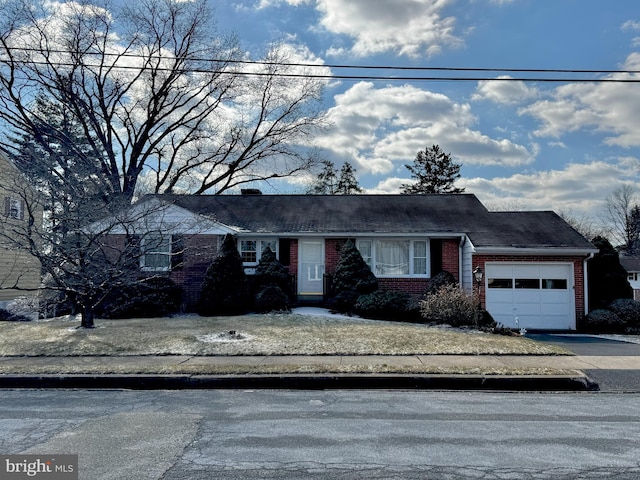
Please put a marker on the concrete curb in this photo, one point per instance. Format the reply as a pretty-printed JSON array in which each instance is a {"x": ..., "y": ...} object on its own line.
[{"x": 521, "y": 383}]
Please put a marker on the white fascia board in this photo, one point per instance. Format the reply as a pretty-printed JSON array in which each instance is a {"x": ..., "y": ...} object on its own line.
[
  {"x": 154, "y": 215},
  {"x": 351, "y": 234},
  {"x": 554, "y": 251}
]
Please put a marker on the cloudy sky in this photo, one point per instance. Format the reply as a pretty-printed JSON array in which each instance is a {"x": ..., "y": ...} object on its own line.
[{"x": 533, "y": 145}]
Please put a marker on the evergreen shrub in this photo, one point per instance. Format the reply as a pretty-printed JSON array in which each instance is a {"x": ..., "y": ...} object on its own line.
[
  {"x": 628, "y": 310},
  {"x": 383, "y": 305},
  {"x": 352, "y": 278},
  {"x": 271, "y": 298},
  {"x": 225, "y": 290},
  {"x": 602, "y": 321},
  {"x": 152, "y": 297}
]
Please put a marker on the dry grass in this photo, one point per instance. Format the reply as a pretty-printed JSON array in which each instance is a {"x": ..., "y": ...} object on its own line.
[
  {"x": 280, "y": 369},
  {"x": 286, "y": 334}
]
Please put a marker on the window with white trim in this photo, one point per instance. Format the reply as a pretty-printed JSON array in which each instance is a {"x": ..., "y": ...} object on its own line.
[
  {"x": 251, "y": 249},
  {"x": 394, "y": 257},
  {"x": 14, "y": 208},
  {"x": 156, "y": 253}
]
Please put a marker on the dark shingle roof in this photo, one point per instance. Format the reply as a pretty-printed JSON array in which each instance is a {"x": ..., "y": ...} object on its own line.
[
  {"x": 393, "y": 214},
  {"x": 630, "y": 264}
]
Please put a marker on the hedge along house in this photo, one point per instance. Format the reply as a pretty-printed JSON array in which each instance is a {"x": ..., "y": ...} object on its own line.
[{"x": 533, "y": 263}]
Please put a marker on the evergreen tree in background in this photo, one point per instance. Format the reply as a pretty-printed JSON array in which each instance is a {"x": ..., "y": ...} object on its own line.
[
  {"x": 347, "y": 183},
  {"x": 328, "y": 183},
  {"x": 434, "y": 172}
]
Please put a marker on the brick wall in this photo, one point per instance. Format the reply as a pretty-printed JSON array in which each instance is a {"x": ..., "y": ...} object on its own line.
[
  {"x": 451, "y": 257},
  {"x": 578, "y": 271},
  {"x": 332, "y": 251},
  {"x": 412, "y": 286}
]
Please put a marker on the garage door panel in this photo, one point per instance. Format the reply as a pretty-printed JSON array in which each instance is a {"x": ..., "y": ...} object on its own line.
[{"x": 539, "y": 295}]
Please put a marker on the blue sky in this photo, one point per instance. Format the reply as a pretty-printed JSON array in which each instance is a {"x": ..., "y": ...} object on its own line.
[{"x": 533, "y": 145}]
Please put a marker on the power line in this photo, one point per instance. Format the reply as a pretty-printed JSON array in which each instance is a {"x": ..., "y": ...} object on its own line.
[
  {"x": 333, "y": 76},
  {"x": 344, "y": 66}
]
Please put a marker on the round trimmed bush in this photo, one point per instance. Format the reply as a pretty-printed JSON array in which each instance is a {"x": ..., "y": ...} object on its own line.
[
  {"x": 628, "y": 310},
  {"x": 272, "y": 299},
  {"x": 439, "y": 280},
  {"x": 383, "y": 305},
  {"x": 602, "y": 321}
]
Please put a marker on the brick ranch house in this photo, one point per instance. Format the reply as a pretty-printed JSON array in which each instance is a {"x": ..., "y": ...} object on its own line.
[{"x": 533, "y": 264}]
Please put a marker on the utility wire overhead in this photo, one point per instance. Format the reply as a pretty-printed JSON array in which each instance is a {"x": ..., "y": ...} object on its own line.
[{"x": 334, "y": 76}]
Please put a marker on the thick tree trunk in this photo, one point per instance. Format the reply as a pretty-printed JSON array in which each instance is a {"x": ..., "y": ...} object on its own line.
[{"x": 87, "y": 316}]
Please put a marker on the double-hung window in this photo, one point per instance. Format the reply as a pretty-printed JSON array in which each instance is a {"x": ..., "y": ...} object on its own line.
[
  {"x": 395, "y": 257},
  {"x": 14, "y": 208},
  {"x": 156, "y": 252},
  {"x": 251, "y": 250}
]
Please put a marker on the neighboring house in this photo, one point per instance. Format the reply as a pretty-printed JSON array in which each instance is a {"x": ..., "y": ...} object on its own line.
[
  {"x": 19, "y": 272},
  {"x": 632, "y": 266},
  {"x": 532, "y": 263}
]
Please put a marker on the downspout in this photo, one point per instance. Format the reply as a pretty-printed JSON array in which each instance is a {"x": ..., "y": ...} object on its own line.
[
  {"x": 585, "y": 281},
  {"x": 463, "y": 240}
]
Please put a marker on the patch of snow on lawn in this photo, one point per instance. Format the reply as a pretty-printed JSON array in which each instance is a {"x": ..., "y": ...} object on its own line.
[{"x": 223, "y": 337}]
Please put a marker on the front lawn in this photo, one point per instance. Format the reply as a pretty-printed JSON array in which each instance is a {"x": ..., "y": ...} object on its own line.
[{"x": 272, "y": 334}]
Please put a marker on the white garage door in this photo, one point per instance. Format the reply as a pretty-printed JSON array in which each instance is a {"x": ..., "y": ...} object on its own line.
[{"x": 539, "y": 296}]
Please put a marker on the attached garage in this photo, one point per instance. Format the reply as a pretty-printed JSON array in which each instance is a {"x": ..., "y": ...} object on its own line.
[{"x": 531, "y": 295}]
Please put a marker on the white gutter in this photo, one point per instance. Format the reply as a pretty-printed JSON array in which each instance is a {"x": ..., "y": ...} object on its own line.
[{"x": 534, "y": 251}]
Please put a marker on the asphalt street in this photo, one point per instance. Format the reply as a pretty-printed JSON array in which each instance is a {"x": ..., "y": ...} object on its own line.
[
  {"x": 223, "y": 434},
  {"x": 587, "y": 345}
]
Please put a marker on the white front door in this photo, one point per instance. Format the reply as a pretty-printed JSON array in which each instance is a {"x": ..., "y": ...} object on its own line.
[{"x": 311, "y": 267}]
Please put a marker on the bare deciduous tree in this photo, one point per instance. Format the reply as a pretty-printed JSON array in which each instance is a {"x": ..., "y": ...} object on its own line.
[
  {"x": 99, "y": 105},
  {"x": 583, "y": 224},
  {"x": 161, "y": 97},
  {"x": 621, "y": 214}
]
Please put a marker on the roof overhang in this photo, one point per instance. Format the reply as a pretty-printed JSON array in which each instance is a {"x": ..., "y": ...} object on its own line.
[
  {"x": 247, "y": 233},
  {"x": 551, "y": 251}
]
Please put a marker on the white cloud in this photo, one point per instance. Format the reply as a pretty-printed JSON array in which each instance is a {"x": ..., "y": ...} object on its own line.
[
  {"x": 612, "y": 108},
  {"x": 376, "y": 128},
  {"x": 408, "y": 27},
  {"x": 504, "y": 91},
  {"x": 415, "y": 28},
  {"x": 580, "y": 188},
  {"x": 391, "y": 185},
  {"x": 631, "y": 25}
]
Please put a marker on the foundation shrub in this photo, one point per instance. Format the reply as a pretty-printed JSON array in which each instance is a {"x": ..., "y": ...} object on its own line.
[
  {"x": 383, "y": 305},
  {"x": 602, "y": 321},
  {"x": 7, "y": 316},
  {"x": 225, "y": 290},
  {"x": 629, "y": 312},
  {"x": 352, "y": 278},
  {"x": 440, "y": 280},
  {"x": 271, "y": 298},
  {"x": 153, "y": 297},
  {"x": 450, "y": 305}
]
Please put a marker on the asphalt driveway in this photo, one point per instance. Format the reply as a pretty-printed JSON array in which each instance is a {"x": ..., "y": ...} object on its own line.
[{"x": 587, "y": 345}]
